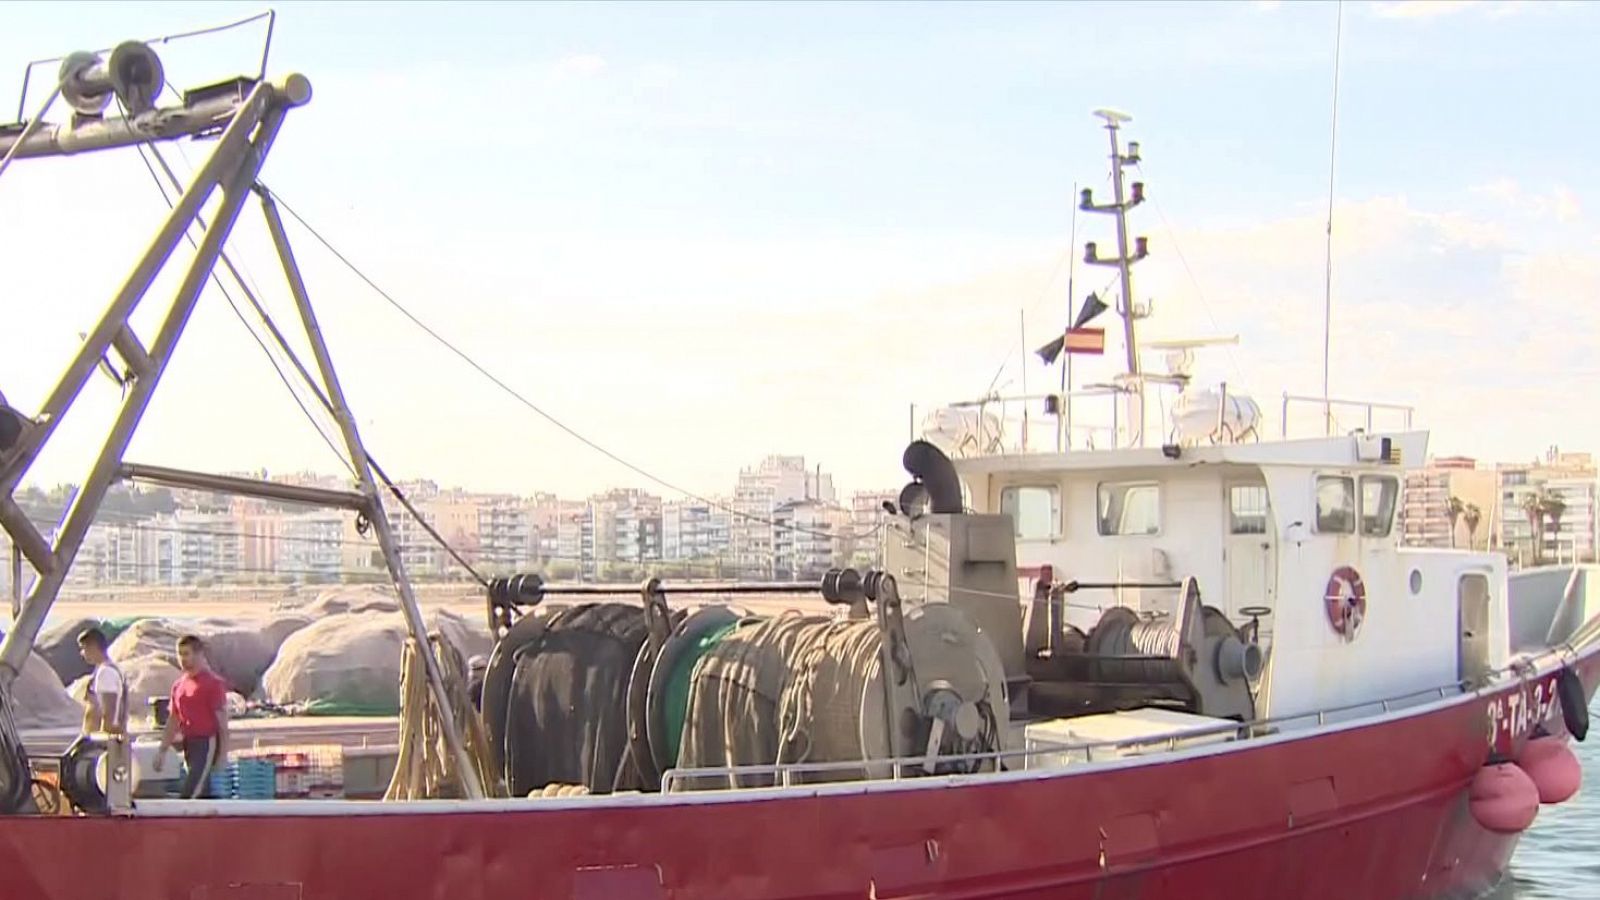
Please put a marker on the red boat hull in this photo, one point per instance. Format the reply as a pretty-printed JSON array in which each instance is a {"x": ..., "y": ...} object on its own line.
[{"x": 1372, "y": 811}]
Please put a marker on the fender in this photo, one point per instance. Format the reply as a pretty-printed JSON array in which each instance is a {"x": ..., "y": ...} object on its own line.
[{"x": 1574, "y": 705}]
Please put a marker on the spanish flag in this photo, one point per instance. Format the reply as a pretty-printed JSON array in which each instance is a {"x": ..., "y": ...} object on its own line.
[{"x": 1075, "y": 340}]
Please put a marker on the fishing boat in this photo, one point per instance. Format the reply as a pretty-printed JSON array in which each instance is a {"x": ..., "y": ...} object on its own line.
[{"x": 1166, "y": 660}]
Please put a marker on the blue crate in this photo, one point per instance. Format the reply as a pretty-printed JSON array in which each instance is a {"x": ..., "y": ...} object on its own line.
[
  {"x": 255, "y": 779},
  {"x": 222, "y": 782}
]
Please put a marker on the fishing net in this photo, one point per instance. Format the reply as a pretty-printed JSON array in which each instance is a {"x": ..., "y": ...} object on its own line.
[
  {"x": 738, "y": 692},
  {"x": 344, "y": 664},
  {"x": 238, "y": 651},
  {"x": 59, "y": 647},
  {"x": 566, "y": 716},
  {"x": 349, "y": 664},
  {"x": 346, "y": 599},
  {"x": 39, "y": 700}
]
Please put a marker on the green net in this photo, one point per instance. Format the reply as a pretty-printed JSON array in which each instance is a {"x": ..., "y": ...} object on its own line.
[
  {"x": 113, "y": 627},
  {"x": 340, "y": 708},
  {"x": 678, "y": 682}
]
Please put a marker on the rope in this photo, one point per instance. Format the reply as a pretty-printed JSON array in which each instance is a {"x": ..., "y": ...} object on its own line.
[
  {"x": 426, "y": 769},
  {"x": 294, "y": 359},
  {"x": 780, "y": 690},
  {"x": 522, "y": 399},
  {"x": 820, "y": 711}
]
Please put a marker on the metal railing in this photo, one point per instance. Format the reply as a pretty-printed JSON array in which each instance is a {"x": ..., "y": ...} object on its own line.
[
  {"x": 1337, "y": 415},
  {"x": 784, "y": 774},
  {"x": 1008, "y": 424},
  {"x": 1002, "y": 424}
]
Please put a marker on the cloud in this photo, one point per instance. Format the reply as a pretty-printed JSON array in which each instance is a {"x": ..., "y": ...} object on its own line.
[
  {"x": 1559, "y": 203},
  {"x": 1480, "y": 323},
  {"x": 1438, "y": 9},
  {"x": 1421, "y": 9},
  {"x": 578, "y": 65}
]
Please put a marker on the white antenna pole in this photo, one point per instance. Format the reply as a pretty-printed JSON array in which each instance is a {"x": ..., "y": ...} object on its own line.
[
  {"x": 1327, "y": 280},
  {"x": 1064, "y": 438},
  {"x": 1022, "y": 321}
]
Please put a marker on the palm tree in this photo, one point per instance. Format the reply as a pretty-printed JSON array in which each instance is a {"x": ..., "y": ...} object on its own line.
[
  {"x": 1454, "y": 511},
  {"x": 1533, "y": 508},
  {"x": 1472, "y": 516},
  {"x": 1553, "y": 506}
]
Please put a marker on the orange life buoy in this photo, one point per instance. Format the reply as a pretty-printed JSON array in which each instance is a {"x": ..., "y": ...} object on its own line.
[{"x": 1346, "y": 599}]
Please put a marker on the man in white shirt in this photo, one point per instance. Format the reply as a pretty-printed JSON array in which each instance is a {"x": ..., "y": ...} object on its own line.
[{"x": 107, "y": 707}]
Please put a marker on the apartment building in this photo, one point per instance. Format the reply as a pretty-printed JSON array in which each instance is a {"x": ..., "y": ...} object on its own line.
[
  {"x": 695, "y": 529},
  {"x": 1426, "y": 516},
  {"x": 759, "y": 492},
  {"x": 505, "y": 534},
  {"x": 311, "y": 546},
  {"x": 867, "y": 518},
  {"x": 808, "y": 538},
  {"x": 1560, "y": 526}
]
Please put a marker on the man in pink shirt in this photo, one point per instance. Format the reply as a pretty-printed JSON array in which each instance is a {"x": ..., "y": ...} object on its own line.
[{"x": 198, "y": 719}]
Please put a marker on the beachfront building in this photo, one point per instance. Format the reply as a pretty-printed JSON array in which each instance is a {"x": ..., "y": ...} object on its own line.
[
  {"x": 758, "y": 494},
  {"x": 1548, "y": 509},
  {"x": 695, "y": 530},
  {"x": 809, "y": 537},
  {"x": 1449, "y": 502}
]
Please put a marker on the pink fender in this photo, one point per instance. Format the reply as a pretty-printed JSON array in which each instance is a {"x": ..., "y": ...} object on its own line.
[
  {"x": 1503, "y": 798},
  {"x": 1553, "y": 768}
]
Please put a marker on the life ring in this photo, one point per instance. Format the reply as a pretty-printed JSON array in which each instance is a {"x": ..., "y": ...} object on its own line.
[{"x": 1346, "y": 600}]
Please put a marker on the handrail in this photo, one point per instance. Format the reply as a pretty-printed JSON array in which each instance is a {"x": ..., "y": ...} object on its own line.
[
  {"x": 784, "y": 773},
  {"x": 1095, "y": 391},
  {"x": 1329, "y": 402},
  {"x": 270, "y": 15}
]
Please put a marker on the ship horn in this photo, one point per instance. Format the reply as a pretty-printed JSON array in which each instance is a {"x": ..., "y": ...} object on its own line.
[{"x": 937, "y": 474}]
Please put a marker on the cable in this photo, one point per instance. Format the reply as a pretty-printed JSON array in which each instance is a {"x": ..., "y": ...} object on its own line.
[
  {"x": 1055, "y": 273},
  {"x": 426, "y": 525},
  {"x": 321, "y": 396},
  {"x": 1172, "y": 237},
  {"x": 238, "y": 313},
  {"x": 283, "y": 377},
  {"x": 522, "y": 399}
]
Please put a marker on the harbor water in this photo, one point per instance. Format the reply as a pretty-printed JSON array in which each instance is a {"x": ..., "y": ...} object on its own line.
[{"x": 1557, "y": 858}]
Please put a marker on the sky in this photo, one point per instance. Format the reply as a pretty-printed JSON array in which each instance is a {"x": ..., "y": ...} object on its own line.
[{"x": 699, "y": 234}]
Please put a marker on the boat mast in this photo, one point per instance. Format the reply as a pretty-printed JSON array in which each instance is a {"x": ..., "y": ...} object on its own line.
[{"x": 1123, "y": 261}]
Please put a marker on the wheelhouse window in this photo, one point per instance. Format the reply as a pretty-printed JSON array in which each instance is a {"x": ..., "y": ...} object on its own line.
[
  {"x": 1379, "y": 494},
  {"x": 1035, "y": 511},
  {"x": 1336, "y": 504},
  {"x": 1129, "y": 507},
  {"x": 1247, "y": 509}
]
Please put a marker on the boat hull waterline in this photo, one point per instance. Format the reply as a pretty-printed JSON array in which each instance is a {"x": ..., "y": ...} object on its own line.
[{"x": 1371, "y": 809}]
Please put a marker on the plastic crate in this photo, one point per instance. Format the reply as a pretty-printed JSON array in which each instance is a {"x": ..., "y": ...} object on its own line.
[
  {"x": 313, "y": 771},
  {"x": 254, "y": 779},
  {"x": 222, "y": 782}
]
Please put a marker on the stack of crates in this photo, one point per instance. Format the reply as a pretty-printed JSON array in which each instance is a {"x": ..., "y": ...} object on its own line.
[
  {"x": 301, "y": 771},
  {"x": 222, "y": 781},
  {"x": 253, "y": 779},
  {"x": 244, "y": 779}
]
